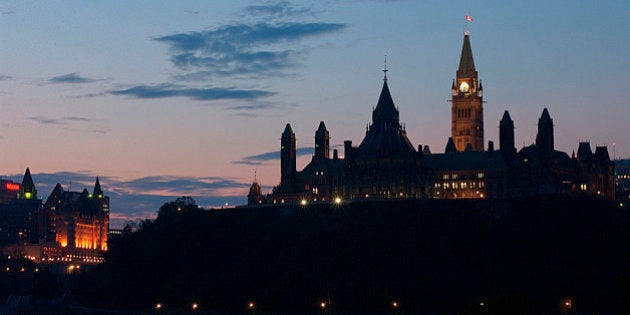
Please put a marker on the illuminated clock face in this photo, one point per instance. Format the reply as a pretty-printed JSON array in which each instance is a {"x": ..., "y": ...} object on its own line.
[{"x": 464, "y": 87}]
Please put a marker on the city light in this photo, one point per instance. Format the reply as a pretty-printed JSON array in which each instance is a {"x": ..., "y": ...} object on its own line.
[
  {"x": 394, "y": 304},
  {"x": 337, "y": 200},
  {"x": 195, "y": 306},
  {"x": 158, "y": 306},
  {"x": 322, "y": 305},
  {"x": 12, "y": 186},
  {"x": 303, "y": 202},
  {"x": 251, "y": 305}
]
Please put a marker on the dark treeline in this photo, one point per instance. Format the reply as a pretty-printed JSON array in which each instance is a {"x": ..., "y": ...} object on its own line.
[{"x": 443, "y": 256}]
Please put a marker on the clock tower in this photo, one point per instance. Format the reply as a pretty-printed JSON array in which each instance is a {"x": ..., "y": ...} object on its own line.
[{"x": 467, "y": 103}]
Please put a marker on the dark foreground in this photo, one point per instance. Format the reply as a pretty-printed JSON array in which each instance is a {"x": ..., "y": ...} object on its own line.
[{"x": 428, "y": 256}]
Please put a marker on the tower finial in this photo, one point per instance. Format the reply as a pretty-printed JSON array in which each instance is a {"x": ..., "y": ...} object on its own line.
[{"x": 385, "y": 69}]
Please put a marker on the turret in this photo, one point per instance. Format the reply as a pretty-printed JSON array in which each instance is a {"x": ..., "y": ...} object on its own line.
[
  {"x": 255, "y": 194},
  {"x": 27, "y": 189},
  {"x": 544, "y": 138},
  {"x": 385, "y": 116},
  {"x": 287, "y": 160},
  {"x": 322, "y": 142},
  {"x": 506, "y": 136},
  {"x": 450, "y": 146},
  {"x": 97, "y": 192}
]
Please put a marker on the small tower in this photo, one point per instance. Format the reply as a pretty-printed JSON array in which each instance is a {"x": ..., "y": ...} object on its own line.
[
  {"x": 287, "y": 160},
  {"x": 322, "y": 142},
  {"x": 27, "y": 189},
  {"x": 467, "y": 103},
  {"x": 450, "y": 146},
  {"x": 97, "y": 192},
  {"x": 544, "y": 138},
  {"x": 506, "y": 136},
  {"x": 255, "y": 194}
]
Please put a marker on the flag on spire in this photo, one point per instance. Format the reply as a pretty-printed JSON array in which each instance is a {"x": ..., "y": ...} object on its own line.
[{"x": 468, "y": 18}]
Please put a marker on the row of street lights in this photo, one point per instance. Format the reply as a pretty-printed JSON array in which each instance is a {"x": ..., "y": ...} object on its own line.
[
  {"x": 251, "y": 305},
  {"x": 566, "y": 305}
]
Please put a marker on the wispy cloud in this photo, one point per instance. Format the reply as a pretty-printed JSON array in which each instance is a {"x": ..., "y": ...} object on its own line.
[
  {"x": 57, "y": 121},
  {"x": 242, "y": 49},
  {"x": 199, "y": 94},
  {"x": 262, "y": 158},
  {"x": 282, "y": 9},
  {"x": 71, "y": 78}
]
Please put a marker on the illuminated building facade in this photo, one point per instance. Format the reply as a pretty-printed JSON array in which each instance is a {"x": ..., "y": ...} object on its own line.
[
  {"x": 77, "y": 221},
  {"x": 70, "y": 226},
  {"x": 386, "y": 164}
]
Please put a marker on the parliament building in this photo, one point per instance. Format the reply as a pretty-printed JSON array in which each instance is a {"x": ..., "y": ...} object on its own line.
[{"x": 387, "y": 165}]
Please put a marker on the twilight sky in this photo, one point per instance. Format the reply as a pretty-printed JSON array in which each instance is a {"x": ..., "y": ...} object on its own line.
[{"x": 169, "y": 98}]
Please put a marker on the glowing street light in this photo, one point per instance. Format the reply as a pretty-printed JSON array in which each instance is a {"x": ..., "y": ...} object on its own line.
[
  {"x": 337, "y": 200},
  {"x": 251, "y": 305},
  {"x": 322, "y": 305},
  {"x": 195, "y": 306},
  {"x": 158, "y": 306},
  {"x": 394, "y": 304},
  {"x": 303, "y": 202}
]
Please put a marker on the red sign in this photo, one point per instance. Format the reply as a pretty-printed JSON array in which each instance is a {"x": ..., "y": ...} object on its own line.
[{"x": 12, "y": 186}]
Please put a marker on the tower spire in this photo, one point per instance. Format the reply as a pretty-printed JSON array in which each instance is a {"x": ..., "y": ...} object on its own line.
[
  {"x": 466, "y": 62},
  {"x": 385, "y": 69}
]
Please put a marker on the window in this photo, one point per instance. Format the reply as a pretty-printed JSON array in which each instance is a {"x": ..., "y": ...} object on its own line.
[
  {"x": 464, "y": 185},
  {"x": 455, "y": 176},
  {"x": 480, "y": 175},
  {"x": 446, "y": 176}
]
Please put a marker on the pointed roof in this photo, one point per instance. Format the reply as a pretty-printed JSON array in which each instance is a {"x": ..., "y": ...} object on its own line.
[
  {"x": 27, "y": 180},
  {"x": 450, "y": 146},
  {"x": 287, "y": 131},
  {"x": 601, "y": 153},
  {"x": 545, "y": 117},
  {"x": 584, "y": 151},
  {"x": 98, "y": 192},
  {"x": 506, "y": 120},
  {"x": 385, "y": 109},
  {"x": 321, "y": 129},
  {"x": 466, "y": 62}
]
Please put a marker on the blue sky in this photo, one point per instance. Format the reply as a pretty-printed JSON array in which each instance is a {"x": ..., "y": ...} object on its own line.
[{"x": 163, "y": 99}]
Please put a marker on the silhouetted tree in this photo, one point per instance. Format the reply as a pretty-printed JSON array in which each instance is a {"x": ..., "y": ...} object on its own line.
[{"x": 178, "y": 206}]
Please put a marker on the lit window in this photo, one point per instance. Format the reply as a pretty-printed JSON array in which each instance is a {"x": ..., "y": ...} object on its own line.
[
  {"x": 446, "y": 176},
  {"x": 583, "y": 187},
  {"x": 446, "y": 185},
  {"x": 455, "y": 185},
  {"x": 464, "y": 185},
  {"x": 480, "y": 175},
  {"x": 455, "y": 176}
]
